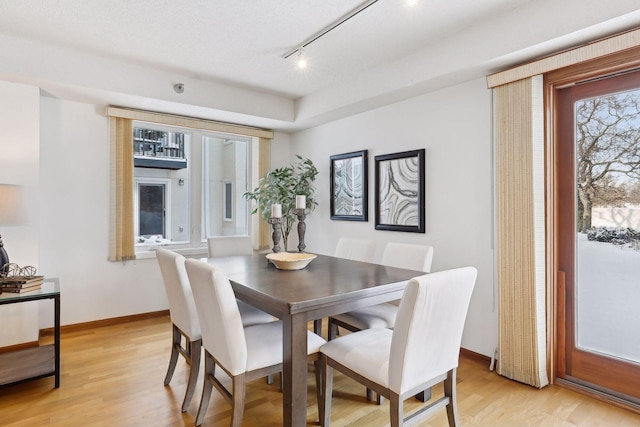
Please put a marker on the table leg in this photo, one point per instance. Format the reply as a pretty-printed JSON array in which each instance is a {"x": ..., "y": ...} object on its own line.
[
  {"x": 294, "y": 370},
  {"x": 56, "y": 339}
]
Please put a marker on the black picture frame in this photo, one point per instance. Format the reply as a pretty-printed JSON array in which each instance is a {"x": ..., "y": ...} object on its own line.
[
  {"x": 399, "y": 195},
  {"x": 349, "y": 186}
]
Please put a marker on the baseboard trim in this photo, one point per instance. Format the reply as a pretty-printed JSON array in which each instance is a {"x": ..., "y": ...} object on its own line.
[
  {"x": 16, "y": 347},
  {"x": 472, "y": 355},
  {"x": 106, "y": 322}
]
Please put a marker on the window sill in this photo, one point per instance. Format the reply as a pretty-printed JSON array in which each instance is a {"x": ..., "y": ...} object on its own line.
[{"x": 201, "y": 252}]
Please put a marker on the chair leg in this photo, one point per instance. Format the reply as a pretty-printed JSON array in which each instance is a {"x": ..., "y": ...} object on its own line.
[
  {"x": 332, "y": 330},
  {"x": 424, "y": 395},
  {"x": 450, "y": 392},
  {"x": 317, "y": 327},
  {"x": 318, "y": 368},
  {"x": 370, "y": 395},
  {"x": 239, "y": 392},
  {"x": 195, "y": 351},
  {"x": 209, "y": 370},
  {"x": 270, "y": 379},
  {"x": 327, "y": 384},
  {"x": 396, "y": 410},
  {"x": 173, "y": 360}
]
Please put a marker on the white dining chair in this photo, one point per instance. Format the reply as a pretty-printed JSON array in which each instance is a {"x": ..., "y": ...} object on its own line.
[
  {"x": 244, "y": 353},
  {"x": 420, "y": 352},
  {"x": 355, "y": 249},
  {"x": 401, "y": 255},
  {"x": 183, "y": 318},
  {"x": 238, "y": 245},
  {"x": 229, "y": 245}
]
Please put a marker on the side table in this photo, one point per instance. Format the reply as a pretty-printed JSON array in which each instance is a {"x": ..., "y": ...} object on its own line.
[{"x": 34, "y": 362}]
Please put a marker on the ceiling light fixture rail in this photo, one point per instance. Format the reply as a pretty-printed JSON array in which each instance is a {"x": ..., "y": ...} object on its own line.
[{"x": 330, "y": 27}]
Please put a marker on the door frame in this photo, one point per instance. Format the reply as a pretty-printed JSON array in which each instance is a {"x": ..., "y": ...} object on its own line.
[{"x": 607, "y": 66}]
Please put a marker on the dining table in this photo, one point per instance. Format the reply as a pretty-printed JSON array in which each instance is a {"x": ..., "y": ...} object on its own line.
[{"x": 325, "y": 287}]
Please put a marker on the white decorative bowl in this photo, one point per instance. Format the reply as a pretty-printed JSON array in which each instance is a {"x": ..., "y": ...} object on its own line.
[{"x": 290, "y": 260}]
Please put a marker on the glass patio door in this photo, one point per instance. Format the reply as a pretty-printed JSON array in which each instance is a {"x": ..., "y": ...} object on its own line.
[{"x": 598, "y": 235}]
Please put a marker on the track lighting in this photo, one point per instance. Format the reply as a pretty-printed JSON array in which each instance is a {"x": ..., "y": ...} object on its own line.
[{"x": 301, "y": 61}]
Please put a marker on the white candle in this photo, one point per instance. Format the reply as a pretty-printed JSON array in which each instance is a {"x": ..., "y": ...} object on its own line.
[
  {"x": 276, "y": 210},
  {"x": 301, "y": 202}
]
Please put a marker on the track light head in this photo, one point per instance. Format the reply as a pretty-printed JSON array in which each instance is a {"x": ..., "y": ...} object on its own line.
[{"x": 301, "y": 61}]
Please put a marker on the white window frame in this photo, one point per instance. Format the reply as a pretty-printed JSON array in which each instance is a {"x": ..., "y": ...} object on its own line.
[
  {"x": 142, "y": 180},
  {"x": 197, "y": 244}
]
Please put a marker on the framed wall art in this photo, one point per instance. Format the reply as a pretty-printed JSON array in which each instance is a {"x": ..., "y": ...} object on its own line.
[
  {"x": 399, "y": 195},
  {"x": 349, "y": 186}
]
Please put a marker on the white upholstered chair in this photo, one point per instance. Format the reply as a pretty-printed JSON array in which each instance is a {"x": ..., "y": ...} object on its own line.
[
  {"x": 401, "y": 255},
  {"x": 229, "y": 245},
  {"x": 355, "y": 249},
  {"x": 420, "y": 352},
  {"x": 238, "y": 245},
  {"x": 183, "y": 318},
  {"x": 244, "y": 353}
]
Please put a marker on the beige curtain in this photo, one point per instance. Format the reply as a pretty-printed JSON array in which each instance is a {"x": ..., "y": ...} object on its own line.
[
  {"x": 520, "y": 217},
  {"x": 263, "y": 155},
  {"x": 121, "y": 244}
]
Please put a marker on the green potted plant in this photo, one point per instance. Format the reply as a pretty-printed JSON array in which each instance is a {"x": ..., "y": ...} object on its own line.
[{"x": 282, "y": 185}]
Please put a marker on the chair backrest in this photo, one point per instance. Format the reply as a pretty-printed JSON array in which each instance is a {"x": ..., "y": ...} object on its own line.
[
  {"x": 355, "y": 249},
  {"x": 181, "y": 304},
  {"x": 409, "y": 256},
  {"x": 222, "y": 331},
  {"x": 429, "y": 324},
  {"x": 229, "y": 245}
]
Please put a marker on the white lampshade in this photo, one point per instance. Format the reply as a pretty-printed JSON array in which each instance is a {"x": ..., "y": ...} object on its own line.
[{"x": 12, "y": 207}]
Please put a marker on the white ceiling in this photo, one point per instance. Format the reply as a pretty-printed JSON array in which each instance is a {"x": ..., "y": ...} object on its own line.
[{"x": 233, "y": 48}]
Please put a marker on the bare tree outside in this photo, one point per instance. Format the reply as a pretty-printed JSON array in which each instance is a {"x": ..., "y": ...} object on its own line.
[{"x": 608, "y": 158}]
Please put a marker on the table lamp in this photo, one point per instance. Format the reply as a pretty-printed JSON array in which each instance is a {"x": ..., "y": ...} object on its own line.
[{"x": 12, "y": 212}]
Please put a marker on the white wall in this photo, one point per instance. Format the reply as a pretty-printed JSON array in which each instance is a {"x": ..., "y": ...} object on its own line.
[
  {"x": 75, "y": 221},
  {"x": 454, "y": 126},
  {"x": 19, "y": 159}
]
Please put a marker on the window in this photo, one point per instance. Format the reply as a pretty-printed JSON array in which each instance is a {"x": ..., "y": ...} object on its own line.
[
  {"x": 172, "y": 148},
  {"x": 188, "y": 185},
  {"x": 150, "y": 198},
  {"x": 228, "y": 200},
  {"x": 225, "y": 173}
]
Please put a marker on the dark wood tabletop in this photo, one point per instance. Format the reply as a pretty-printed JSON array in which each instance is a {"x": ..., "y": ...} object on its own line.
[{"x": 327, "y": 286}]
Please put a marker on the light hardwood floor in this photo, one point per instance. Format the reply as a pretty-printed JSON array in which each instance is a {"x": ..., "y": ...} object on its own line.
[{"x": 113, "y": 376}]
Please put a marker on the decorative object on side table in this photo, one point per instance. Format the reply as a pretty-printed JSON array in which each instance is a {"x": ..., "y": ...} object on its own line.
[
  {"x": 20, "y": 279},
  {"x": 399, "y": 196},
  {"x": 12, "y": 212},
  {"x": 281, "y": 186}
]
